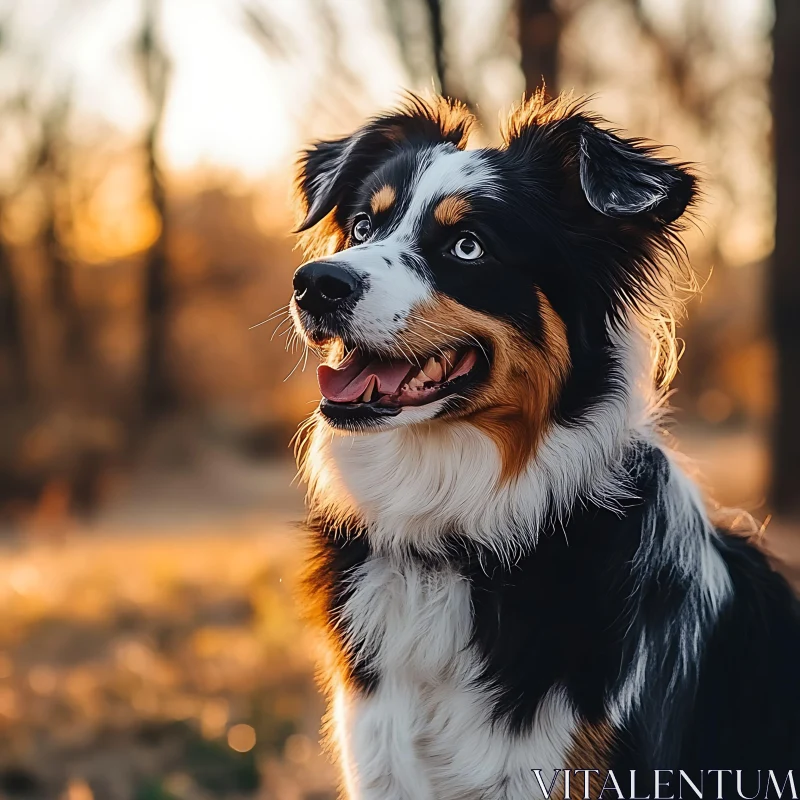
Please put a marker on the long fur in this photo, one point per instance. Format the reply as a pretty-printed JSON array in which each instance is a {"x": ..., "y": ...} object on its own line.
[{"x": 520, "y": 576}]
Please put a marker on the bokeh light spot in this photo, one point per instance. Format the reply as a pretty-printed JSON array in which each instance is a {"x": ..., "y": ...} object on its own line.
[{"x": 241, "y": 738}]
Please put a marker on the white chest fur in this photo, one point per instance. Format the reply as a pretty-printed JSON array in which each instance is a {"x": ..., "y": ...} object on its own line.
[{"x": 425, "y": 732}]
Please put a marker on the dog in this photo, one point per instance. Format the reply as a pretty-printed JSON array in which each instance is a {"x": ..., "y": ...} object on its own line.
[{"x": 514, "y": 574}]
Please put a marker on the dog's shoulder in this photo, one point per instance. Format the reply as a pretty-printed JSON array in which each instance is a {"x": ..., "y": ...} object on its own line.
[{"x": 748, "y": 697}]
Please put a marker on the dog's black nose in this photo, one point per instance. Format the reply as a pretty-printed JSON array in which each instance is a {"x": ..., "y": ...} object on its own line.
[{"x": 321, "y": 287}]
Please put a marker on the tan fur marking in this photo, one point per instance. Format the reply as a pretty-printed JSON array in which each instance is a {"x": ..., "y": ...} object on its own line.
[
  {"x": 592, "y": 748},
  {"x": 383, "y": 199},
  {"x": 451, "y": 210},
  {"x": 513, "y": 407}
]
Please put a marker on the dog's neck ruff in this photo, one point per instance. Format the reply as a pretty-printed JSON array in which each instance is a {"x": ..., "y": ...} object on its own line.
[{"x": 419, "y": 487}]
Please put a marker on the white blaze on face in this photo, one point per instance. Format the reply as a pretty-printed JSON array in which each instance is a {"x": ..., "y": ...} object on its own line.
[{"x": 395, "y": 289}]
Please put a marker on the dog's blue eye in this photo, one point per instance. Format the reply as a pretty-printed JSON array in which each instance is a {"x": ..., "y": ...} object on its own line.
[
  {"x": 362, "y": 228},
  {"x": 467, "y": 248}
]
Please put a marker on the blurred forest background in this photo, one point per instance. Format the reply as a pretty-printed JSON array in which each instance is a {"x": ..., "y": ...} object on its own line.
[{"x": 149, "y": 641}]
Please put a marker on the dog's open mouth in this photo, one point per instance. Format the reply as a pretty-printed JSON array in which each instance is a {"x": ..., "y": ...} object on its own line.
[{"x": 384, "y": 387}]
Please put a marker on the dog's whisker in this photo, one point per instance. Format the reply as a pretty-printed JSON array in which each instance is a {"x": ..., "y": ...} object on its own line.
[
  {"x": 436, "y": 347},
  {"x": 273, "y": 315},
  {"x": 282, "y": 333},
  {"x": 451, "y": 329},
  {"x": 293, "y": 370},
  {"x": 413, "y": 359}
]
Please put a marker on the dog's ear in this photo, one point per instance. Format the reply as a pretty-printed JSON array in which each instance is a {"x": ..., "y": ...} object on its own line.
[
  {"x": 620, "y": 178},
  {"x": 330, "y": 169},
  {"x": 624, "y": 178}
]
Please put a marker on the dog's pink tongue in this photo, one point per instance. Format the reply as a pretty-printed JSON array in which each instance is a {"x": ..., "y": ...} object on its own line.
[{"x": 346, "y": 384}]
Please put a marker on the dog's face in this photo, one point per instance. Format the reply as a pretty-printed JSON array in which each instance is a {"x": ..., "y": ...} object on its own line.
[{"x": 475, "y": 284}]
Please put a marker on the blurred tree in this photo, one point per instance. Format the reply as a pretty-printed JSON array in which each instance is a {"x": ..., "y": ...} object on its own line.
[
  {"x": 12, "y": 343},
  {"x": 681, "y": 58},
  {"x": 339, "y": 91},
  {"x": 51, "y": 169},
  {"x": 539, "y": 36},
  {"x": 438, "y": 47},
  {"x": 785, "y": 271},
  {"x": 538, "y": 22},
  {"x": 271, "y": 35},
  {"x": 158, "y": 391},
  {"x": 429, "y": 63}
]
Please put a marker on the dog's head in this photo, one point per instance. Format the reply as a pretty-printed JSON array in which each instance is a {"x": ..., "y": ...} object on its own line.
[{"x": 478, "y": 284}]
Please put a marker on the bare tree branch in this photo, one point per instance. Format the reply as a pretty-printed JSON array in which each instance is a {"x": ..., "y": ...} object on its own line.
[{"x": 274, "y": 38}]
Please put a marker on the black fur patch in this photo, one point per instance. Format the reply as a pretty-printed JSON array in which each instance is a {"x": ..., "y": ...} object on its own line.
[
  {"x": 337, "y": 553},
  {"x": 747, "y": 709}
]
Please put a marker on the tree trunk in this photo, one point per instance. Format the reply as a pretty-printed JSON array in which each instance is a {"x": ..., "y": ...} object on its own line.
[
  {"x": 785, "y": 266},
  {"x": 62, "y": 292},
  {"x": 159, "y": 396},
  {"x": 438, "y": 44},
  {"x": 11, "y": 334},
  {"x": 539, "y": 34},
  {"x": 53, "y": 173},
  {"x": 449, "y": 85},
  {"x": 158, "y": 392}
]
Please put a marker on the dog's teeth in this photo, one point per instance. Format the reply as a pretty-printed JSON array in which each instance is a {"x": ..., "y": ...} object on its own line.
[
  {"x": 433, "y": 369},
  {"x": 367, "y": 396},
  {"x": 448, "y": 361},
  {"x": 415, "y": 383}
]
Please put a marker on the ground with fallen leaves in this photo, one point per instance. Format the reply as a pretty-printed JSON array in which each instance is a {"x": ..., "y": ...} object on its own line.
[{"x": 159, "y": 663}]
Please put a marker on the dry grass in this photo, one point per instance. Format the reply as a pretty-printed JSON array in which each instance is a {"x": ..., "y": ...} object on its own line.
[{"x": 125, "y": 662}]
